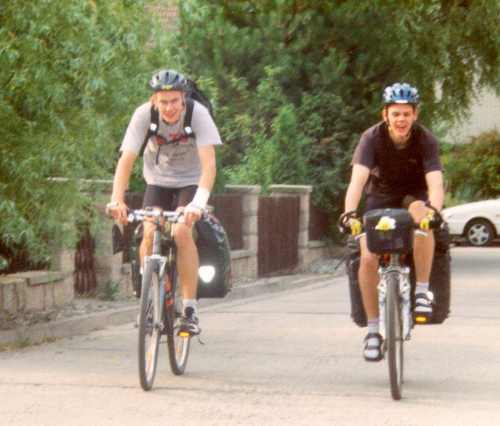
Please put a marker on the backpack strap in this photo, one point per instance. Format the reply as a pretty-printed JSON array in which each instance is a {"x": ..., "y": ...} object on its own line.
[
  {"x": 189, "y": 113},
  {"x": 155, "y": 125},
  {"x": 152, "y": 129}
]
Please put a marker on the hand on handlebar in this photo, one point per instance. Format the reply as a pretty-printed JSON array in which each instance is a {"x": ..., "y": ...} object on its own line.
[
  {"x": 349, "y": 222},
  {"x": 118, "y": 210},
  {"x": 191, "y": 214},
  {"x": 356, "y": 226}
]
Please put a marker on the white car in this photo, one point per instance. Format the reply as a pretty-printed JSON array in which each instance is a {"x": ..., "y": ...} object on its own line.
[{"x": 478, "y": 223}]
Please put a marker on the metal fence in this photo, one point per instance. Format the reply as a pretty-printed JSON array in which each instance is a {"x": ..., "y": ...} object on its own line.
[
  {"x": 229, "y": 210},
  {"x": 85, "y": 276},
  {"x": 278, "y": 219}
]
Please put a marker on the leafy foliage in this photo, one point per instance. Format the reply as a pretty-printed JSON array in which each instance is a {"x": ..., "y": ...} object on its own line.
[
  {"x": 296, "y": 82},
  {"x": 473, "y": 169},
  {"x": 69, "y": 78}
]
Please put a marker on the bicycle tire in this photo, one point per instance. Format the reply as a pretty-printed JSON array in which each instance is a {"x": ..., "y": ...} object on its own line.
[
  {"x": 394, "y": 335},
  {"x": 178, "y": 346},
  {"x": 148, "y": 327}
]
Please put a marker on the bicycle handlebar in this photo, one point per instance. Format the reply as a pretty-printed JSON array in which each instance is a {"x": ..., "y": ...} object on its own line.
[
  {"x": 344, "y": 228},
  {"x": 140, "y": 214}
]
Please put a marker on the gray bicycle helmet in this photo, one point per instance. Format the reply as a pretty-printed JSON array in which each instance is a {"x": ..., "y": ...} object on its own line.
[
  {"x": 401, "y": 93},
  {"x": 168, "y": 80}
]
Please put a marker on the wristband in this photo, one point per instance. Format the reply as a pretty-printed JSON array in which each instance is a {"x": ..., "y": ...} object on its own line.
[{"x": 200, "y": 198}]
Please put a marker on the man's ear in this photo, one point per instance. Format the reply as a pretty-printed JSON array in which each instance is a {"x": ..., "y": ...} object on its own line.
[
  {"x": 384, "y": 115},
  {"x": 153, "y": 100}
]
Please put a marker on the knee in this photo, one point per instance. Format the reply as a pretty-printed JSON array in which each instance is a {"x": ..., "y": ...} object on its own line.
[
  {"x": 369, "y": 261},
  {"x": 183, "y": 235},
  {"x": 417, "y": 210},
  {"x": 148, "y": 235}
]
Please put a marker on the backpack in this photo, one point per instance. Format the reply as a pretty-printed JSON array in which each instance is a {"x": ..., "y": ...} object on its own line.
[{"x": 194, "y": 93}]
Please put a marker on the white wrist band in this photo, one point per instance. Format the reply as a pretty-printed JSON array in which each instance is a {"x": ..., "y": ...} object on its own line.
[{"x": 201, "y": 198}]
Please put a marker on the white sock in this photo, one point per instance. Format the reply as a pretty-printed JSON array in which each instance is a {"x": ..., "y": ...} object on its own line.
[
  {"x": 421, "y": 287},
  {"x": 373, "y": 325},
  {"x": 190, "y": 303}
]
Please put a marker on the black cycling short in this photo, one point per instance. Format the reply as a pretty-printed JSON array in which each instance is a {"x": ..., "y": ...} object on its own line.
[
  {"x": 385, "y": 201},
  {"x": 168, "y": 198}
]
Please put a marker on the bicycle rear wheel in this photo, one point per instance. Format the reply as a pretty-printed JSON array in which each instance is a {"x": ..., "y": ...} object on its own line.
[
  {"x": 394, "y": 335},
  {"x": 149, "y": 326},
  {"x": 178, "y": 343}
]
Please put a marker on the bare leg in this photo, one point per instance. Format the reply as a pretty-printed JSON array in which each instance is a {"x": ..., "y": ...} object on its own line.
[
  {"x": 423, "y": 246},
  {"x": 368, "y": 280},
  {"x": 146, "y": 248},
  {"x": 187, "y": 260}
]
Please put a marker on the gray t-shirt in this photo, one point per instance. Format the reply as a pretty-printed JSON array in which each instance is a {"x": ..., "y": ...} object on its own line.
[{"x": 176, "y": 165}]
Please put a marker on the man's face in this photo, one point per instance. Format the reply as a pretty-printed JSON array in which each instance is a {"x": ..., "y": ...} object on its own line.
[
  {"x": 170, "y": 104},
  {"x": 400, "y": 118}
]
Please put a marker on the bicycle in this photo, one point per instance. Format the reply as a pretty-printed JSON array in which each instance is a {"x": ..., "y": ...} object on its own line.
[
  {"x": 160, "y": 307},
  {"x": 389, "y": 234}
]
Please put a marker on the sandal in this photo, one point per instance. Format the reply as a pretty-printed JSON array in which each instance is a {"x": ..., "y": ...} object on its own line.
[{"x": 373, "y": 347}]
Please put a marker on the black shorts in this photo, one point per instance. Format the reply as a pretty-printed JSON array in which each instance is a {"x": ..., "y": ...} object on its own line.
[
  {"x": 385, "y": 201},
  {"x": 168, "y": 198}
]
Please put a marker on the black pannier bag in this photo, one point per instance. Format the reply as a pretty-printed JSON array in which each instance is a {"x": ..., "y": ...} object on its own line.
[
  {"x": 135, "y": 262},
  {"x": 397, "y": 240},
  {"x": 439, "y": 283},
  {"x": 213, "y": 250},
  {"x": 358, "y": 314}
]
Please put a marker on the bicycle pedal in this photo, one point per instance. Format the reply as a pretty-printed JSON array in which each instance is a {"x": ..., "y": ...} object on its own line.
[{"x": 422, "y": 319}]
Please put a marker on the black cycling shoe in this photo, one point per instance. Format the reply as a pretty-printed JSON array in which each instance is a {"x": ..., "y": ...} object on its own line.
[
  {"x": 372, "y": 350},
  {"x": 189, "y": 322}
]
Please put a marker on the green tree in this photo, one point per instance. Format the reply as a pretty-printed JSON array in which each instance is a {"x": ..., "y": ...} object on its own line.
[
  {"x": 473, "y": 169},
  {"x": 70, "y": 76},
  {"x": 325, "y": 63}
]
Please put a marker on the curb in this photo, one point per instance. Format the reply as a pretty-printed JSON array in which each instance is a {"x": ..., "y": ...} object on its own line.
[{"x": 83, "y": 324}]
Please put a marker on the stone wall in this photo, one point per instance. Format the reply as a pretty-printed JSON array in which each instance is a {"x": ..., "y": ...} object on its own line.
[
  {"x": 32, "y": 292},
  {"x": 49, "y": 290}
]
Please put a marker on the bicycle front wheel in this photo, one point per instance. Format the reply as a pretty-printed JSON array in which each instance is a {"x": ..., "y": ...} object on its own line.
[
  {"x": 178, "y": 343},
  {"x": 149, "y": 326},
  {"x": 394, "y": 335}
]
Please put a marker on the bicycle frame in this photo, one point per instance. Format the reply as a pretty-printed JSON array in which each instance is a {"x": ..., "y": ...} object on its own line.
[{"x": 160, "y": 264}]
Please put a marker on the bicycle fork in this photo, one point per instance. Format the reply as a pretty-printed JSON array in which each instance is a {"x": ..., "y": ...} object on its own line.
[{"x": 404, "y": 295}]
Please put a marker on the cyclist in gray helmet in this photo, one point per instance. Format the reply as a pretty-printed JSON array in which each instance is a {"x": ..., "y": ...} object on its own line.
[
  {"x": 397, "y": 165},
  {"x": 179, "y": 170}
]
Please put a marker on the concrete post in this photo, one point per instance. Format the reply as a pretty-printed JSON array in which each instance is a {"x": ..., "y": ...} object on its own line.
[{"x": 245, "y": 261}]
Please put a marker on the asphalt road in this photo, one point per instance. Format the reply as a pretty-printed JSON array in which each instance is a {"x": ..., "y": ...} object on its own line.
[{"x": 288, "y": 358}]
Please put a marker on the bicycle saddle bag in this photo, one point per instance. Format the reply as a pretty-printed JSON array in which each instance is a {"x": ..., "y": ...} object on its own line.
[
  {"x": 215, "y": 257},
  {"x": 394, "y": 236}
]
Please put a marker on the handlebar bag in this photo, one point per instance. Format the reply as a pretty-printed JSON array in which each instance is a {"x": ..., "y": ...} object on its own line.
[{"x": 399, "y": 239}]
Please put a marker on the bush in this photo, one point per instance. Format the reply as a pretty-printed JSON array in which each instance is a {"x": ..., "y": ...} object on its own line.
[
  {"x": 295, "y": 83},
  {"x": 70, "y": 78},
  {"x": 471, "y": 169}
]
